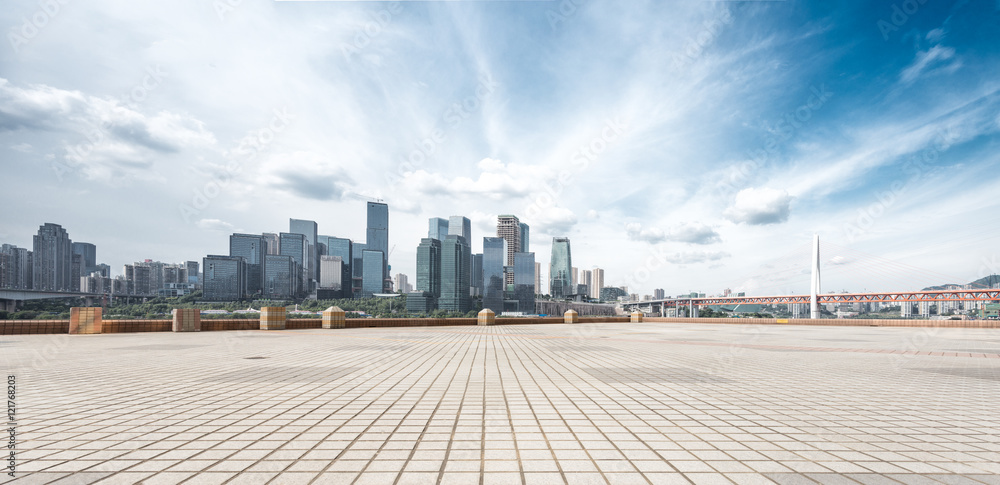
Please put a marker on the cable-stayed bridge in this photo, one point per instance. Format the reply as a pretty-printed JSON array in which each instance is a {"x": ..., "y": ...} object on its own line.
[{"x": 815, "y": 299}]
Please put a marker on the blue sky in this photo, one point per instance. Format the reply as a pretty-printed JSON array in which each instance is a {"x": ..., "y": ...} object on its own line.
[{"x": 680, "y": 145}]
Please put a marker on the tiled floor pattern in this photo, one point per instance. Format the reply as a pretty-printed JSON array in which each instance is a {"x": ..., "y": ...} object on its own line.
[{"x": 595, "y": 403}]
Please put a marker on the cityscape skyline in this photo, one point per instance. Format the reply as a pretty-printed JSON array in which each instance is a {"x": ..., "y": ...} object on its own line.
[
  {"x": 81, "y": 257},
  {"x": 740, "y": 130}
]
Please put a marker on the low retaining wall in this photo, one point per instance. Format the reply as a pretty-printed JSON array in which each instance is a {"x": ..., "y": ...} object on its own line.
[
  {"x": 33, "y": 327},
  {"x": 136, "y": 326},
  {"x": 229, "y": 324},
  {"x": 38, "y": 327}
]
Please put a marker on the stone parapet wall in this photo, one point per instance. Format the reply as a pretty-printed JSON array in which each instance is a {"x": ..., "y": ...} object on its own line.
[
  {"x": 33, "y": 327},
  {"x": 41, "y": 327}
]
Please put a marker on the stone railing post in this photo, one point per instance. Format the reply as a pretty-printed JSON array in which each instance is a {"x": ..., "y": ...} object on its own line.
[
  {"x": 85, "y": 320},
  {"x": 272, "y": 318},
  {"x": 571, "y": 316},
  {"x": 637, "y": 317},
  {"x": 187, "y": 320},
  {"x": 487, "y": 317},
  {"x": 334, "y": 317}
]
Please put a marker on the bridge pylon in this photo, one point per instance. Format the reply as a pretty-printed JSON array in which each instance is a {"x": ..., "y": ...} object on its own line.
[{"x": 814, "y": 312}]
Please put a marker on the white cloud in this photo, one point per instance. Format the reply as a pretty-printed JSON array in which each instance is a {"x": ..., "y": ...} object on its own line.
[
  {"x": 697, "y": 257},
  {"x": 936, "y": 35},
  {"x": 636, "y": 232},
  {"x": 214, "y": 225},
  {"x": 694, "y": 233},
  {"x": 496, "y": 181},
  {"x": 837, "y": 261},
  {"x": 113, "y": 141},
  {"x": 759, "y": 207},
  {"x": 924, "y": 61},
  {"x": 307, "y": 175},
  {"x": 22, "y": 147},
  {"x": 554, "y": 221}
]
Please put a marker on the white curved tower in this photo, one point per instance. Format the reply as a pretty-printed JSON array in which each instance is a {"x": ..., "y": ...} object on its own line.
[{"x": 814, "y": 293}]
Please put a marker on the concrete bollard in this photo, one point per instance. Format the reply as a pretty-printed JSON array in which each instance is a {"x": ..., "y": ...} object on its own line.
[
  {"x": 637, "y": 317},
  {"x": 187, "y": 320},
  {"x": 334, "y": 317},
  {"x": 487, "y": 317},
  {"x": 272, "y": 318},
  {"x": 571, "y": 317},
  {"x": 85, "y": 320}
]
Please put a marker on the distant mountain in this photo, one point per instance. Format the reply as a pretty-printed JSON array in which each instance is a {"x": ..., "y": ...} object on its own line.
[{"x": 981, "y": 283}]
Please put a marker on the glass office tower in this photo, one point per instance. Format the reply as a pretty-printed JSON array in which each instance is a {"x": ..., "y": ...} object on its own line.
[
  {"x": 456, "y": 258},
  {"x": 429, "y": 266},
  {"x": 524, "y": 282},
  {"x": 296, "y": 246},
  {"x": 372, "y": 279},
  {"x": 225, "y": 278},
  {"x": 494, "y": 253},
  {"x": 378, "y": 234},
  {"x": 476, "y": 283},
  {"x": 437, "y": 228},
  {"x": 310, "y": 262},
  {"x": 280, "y": 277},
  {"x": 357, "y": 267},
  {"x": 252, "y": 248},
  {"x": 560, "y": 268}
]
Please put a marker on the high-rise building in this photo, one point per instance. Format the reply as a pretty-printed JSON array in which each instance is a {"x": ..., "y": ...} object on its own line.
[
  {"x": 401, "y": 283},
  {"x": 336, "y": 246},
  {"x": 331, "y": 273},
  {"x": 429, "y": 267},
  {"x": 509, "y": 228},
  {"x": 597, "y": 282},
  {"x": 95, "y": 283},
  {"x": 460, "y": 226},
  {"x": 310, "y": 260},
  {"x": 575, "y": 279},
  {"x": 297, "y": 246},
  {"x": 494, "y": 281},
  {"x": 538, "y": 278},
  {"x": 272, "y": 244},
  {"x": 586, "y": 279},
  {"x": 612, "y": 293},
  {"x": 53, "y": 259},
  {"x": 89, "y": 254},
  {"x": 476, "y": 283},
  {"x": 141, "y": 280},
  {"x": 659, "y": 294},
  {"x": 357, "y": 268},
  {"x": 524, "y": 282},
  {"x": 438, "y": 228},
  {"x": 428, "y": 279},
  {"x": 377, "y": 236},
  {"x": 156, "y": 281},
  {"x": 524, "y": 238},
  {"x": 456, "y": 258},
  {"x": 560, "y": 269},
  {"x": 281, "y": 277},
  {"x": 15, "y": 267},
  {"x": 373, "y": 278},
  {"x": 225, "y": 278},
  {"x": 192, "y": 271},
  {"x": 252, "y": 248},
  {"x": 76, "y": 271}
]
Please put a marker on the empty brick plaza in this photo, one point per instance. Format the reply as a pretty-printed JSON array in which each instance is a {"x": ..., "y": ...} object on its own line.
[{"x": 643, "y": 403}]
